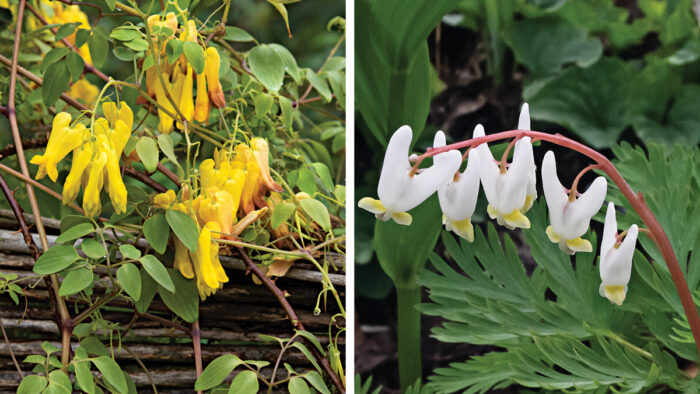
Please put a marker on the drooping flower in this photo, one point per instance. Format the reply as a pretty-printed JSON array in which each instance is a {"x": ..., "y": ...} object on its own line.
[
  {"x": 616, "y": 259},
  {"x": 261, "y": 150},
  {"x": 216, "y": 94},
  {"x": 96, "y": 156},
  {"x": 531, "y": 194},
  {"x": 570, "y": 216},
  {"x": 62, "y": 140},
  {"x": 506, "y": 189},
  {"x": 399, "y": 189},
  {"x": 459, "y": 195}
]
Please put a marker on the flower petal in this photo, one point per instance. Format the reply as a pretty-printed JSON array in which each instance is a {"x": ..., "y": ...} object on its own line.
[
  {"x": 524, "y": 120},
  {"x": 372, "y": 205}
]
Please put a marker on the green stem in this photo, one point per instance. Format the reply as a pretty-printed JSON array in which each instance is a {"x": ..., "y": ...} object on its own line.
[{"x": 407, "y": 297}]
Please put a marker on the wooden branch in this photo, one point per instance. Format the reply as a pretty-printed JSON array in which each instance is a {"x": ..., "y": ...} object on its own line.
[{"x": 144, "y": 178}]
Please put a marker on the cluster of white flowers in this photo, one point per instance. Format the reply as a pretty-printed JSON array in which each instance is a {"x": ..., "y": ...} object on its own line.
[{"x": 510, "y": 191}]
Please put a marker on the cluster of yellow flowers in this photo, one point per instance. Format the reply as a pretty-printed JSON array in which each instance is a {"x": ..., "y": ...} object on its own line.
[
  {"x": 233, "y": 179},
  {"x": 179, "y": 78},
  {"x": 96, "y": 155},
  {"x": 56, "y": 13}
]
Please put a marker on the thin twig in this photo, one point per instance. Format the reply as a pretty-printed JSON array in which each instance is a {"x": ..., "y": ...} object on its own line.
[
  {"x": 10, "y": 150},
  {"x": 197, "y": 346},
  {"x": 166, "y": 322},
  {"x": 9, "y": 348},
  {"x": 147, "y": 180}
]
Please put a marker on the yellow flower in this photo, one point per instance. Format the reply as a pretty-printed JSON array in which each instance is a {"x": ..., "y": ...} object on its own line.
[
  {"x": 165, "y": 124},
  {"x": 234, "y": 186},
  {"x": 91, "y": 198},
  {"x": 201, "y": 106},
  {"x": 84, "y": 91},
  {"x": 217, "y": 207},
  {"x": 62, "y": 140},
  {"x": 262, "y": 151},
  {"x": 182, "y": 259},
  {"x": 186, "y": 101},
  {"x": 56, "y": 13},
  {"x": 211, "y": 69},
  {"x": 164, "y": 200},
  {"x": 245, "y": 156},
  {"x": 115, "y": 184},
  {"x": 82, "y": 156},
  {"x": 210, "y": 274}
]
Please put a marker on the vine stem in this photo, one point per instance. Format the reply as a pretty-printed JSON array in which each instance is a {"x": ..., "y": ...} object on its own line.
[
  {"x": 636, "y": 201},
  {"x": 12, "y": 116},
  {"x": 197, "y": 346}
]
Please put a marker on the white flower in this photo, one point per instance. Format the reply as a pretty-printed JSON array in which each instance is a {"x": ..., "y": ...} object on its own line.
[
  {"x": 398, "y": 190},
  {"x": 531, "y": 195},
  {"x": 507, "y": 190},
  {"x": 459, "y": 194},
  {"x": 570, "y": 216},
  {"x": 616, "y": 259}
]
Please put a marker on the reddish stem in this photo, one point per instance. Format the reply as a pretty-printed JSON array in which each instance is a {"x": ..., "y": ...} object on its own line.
[
  {"x": 574, "y": 186},
  {"x": 197, "y": 345},
  {"x": 636, "y": 201}
]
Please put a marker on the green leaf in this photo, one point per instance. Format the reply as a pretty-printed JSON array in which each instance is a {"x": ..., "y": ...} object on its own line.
[
  {"x": 267, "y": 66},
  {"x": 246, "y": 382},
  {"x": 216, "y": 372},
  {"x": 281, "y": 213},
  {"x": 317, "y": 381},
  {"x": 316, "y": 211},
  {"x": 83, "y": 376},
  {"x": 76, "y": 64},
  {"x": 545, "y": 45},
  {"x": 324, "y": 175},
  {"x": 98, "y": 46},
  {"x": 49, "y": 348},
  {"x": 263, "y": 104},
  {"x": 75, "y": 232},
  {"x": 287, "y": 111},
  {"x": 157, "y": 271},
  {"x": 297, "y": 385},
  {"x": 403, "y": 250},
  {"x": 55, "y": 259},
  {"x": 393, "y": 65},
  {"x": 185, "y": 301},
  {"x": 53, "y": 56},
  {"x": 111, "y": 372},
  {"x": 337, "y": 81},
  {"x": 60, "y": 379},
  {"x": 130, "y": 280},
  {"x": 195, "y": 56},
  {"x": 157, "y": 232},
  {"x": 184, "y": 228},
  {"x": 290, "y": 63},
  {"x": 319, "y": 84},
  {"x": 137, "y": 45},
  {"x": 32, "y": 384},
  {"x": 173, "y": 50},
  {"x": 129, "y": 251},
  {"x": 165, "y": 142},
  {"x": 302, "y": 348},
  {"x": 92, "y": 248},
  {"x": 34, "y": 359},
  {"x": 237, "y": 34},
  {"x": 591, "y": 102},
  {"x": 75, "y": 281},
  {"x": 148, "y": 291},
  {"x": 306, "y": 181},
  {"x": 148, "y": 153},
  {"x": 64, "y": 31},
  {"x": 56, "y": 80},
  {"x": 81, "y": 37},
  {"x": 125, "y": 34}
]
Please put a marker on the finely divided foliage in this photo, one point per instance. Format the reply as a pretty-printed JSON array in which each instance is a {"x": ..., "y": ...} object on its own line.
[{"x": 551, "y": 327}]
